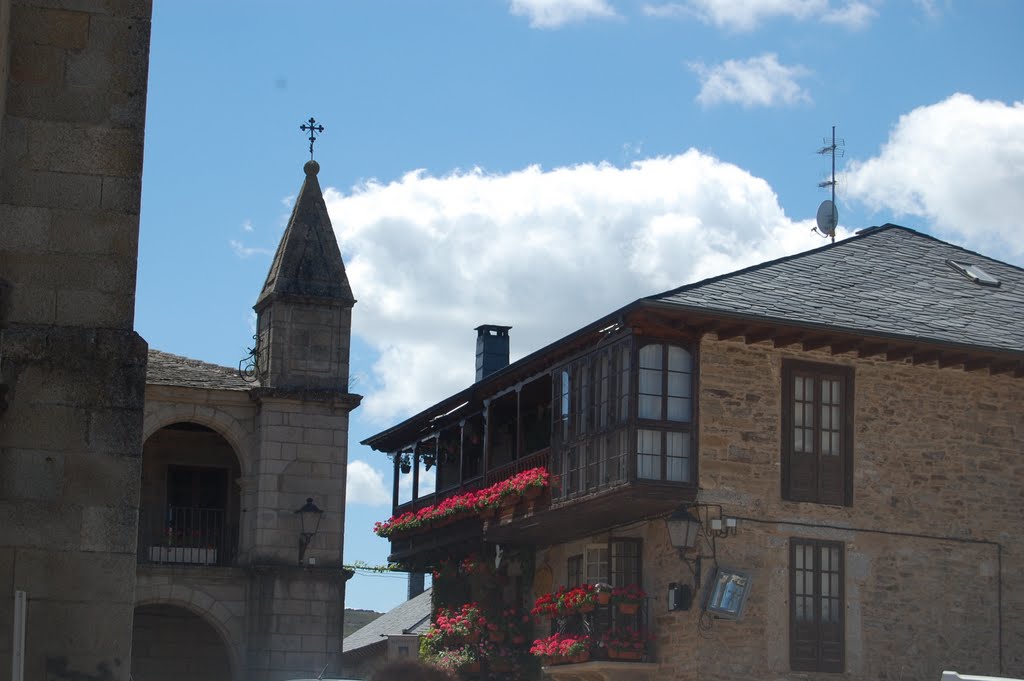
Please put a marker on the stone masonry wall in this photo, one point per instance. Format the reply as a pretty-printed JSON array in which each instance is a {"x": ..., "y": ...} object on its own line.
[
  {"x": 70, "y": 172},
  {"x": 932, "y": 541},
  {"x": 295, "y": 623},
  {"x": 303, "y": 453}
]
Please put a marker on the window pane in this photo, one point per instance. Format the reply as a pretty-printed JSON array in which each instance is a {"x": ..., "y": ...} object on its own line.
[
  {"x": 648, "y": 460},
  {"x": 651, "y": 357},
  {"x": 597, "y": 564},
  {"x": 650, "y": 381},
  {"x": 679, "y": 359},
  {"x": 649, "y": 407},
  {"x": 680, "y": 409},
  {"x": 678, "y": 457},
  {"x": 678, "y": 384}
]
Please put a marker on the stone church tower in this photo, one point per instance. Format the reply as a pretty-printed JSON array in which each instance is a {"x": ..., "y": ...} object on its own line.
[{"x": 229, "y": 570}]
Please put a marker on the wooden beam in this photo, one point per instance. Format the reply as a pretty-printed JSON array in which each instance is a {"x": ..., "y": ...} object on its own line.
[
  {"x": 815, "y": 343},
  {"x": 786, "y": 341},
  {"x": 951, "y": 360},
  {"x": 925, "y": 357},
  {"x": 703, "y": 327},
  {"x": 728, "y": 332},
  {"x": 896, "y": 354},
  {"x": 840, "y": 347},
  {"x": 977, "y": 364},
  {"x": 866, "y": 351},
  {"x": 1001, "y": 368},
  {"x": 758, "y": 336}
]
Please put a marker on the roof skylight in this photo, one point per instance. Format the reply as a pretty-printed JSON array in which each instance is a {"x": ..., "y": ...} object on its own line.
[{"x": 974, "y": 273}]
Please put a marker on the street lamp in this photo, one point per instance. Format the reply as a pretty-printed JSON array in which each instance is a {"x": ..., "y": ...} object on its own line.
[{"x": 309, "y": 516}]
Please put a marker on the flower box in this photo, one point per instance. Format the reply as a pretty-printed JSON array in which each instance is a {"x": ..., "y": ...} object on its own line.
[{"x": 182, "y": 554}]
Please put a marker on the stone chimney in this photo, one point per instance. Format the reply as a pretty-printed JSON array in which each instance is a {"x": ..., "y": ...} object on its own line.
[
  {"x": 417, "y": 584},
  {"x": 491, "y": 349}
]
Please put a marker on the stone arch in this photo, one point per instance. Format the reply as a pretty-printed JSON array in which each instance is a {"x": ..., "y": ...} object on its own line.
[
  {"x": 167, "y": 413},
  {"x": 205, "y": 607}
]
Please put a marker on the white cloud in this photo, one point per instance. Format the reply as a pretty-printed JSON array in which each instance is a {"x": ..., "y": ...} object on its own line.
[
  {"x": 247, "y": 225},
  {"x": 852, "y": 15},
  {"x": 747, "y": 15},
  {"x": 959, "y": 164},
  {"x": 931, "y": 8},
  {"x": 243, "y": 251},
  {"x": 555, "y": 13},
  {"x": 365, "y": 485},
  {"x": 430, "y": 258},
  {"x": 758, "y": 81}
]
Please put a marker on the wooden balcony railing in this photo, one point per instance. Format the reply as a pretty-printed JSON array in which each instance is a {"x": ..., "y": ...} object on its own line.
[
  {"x": 539, "y": 459},
  {"x": 495, "y": 475}
]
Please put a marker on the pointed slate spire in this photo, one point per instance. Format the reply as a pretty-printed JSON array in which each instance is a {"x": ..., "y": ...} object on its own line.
[{"x": 308, "y": 262}]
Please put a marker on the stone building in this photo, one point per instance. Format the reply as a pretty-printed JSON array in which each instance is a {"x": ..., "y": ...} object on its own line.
[
  {"x": 812, "y": 468},
  {"x": 148, "y": 523},
  {"x": 72, "y": 369},
  {"x": 231, "y": 585}
]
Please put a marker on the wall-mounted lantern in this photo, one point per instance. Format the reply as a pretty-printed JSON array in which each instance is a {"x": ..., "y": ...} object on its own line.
[
  {"x": 685, "y": 528},
  {"x": 309, "y": 516}
]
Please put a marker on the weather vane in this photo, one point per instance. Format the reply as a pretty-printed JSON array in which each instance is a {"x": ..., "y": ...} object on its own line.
[{"x": 313, "y": 129}]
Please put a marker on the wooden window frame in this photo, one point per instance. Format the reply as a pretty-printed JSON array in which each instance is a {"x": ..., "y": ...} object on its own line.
[
  {"x": 662, "y": 424},
  {"x": 574, "y": 570},
  {"x": 818, "y": 371},
  {"x": 819, "y": 662}
]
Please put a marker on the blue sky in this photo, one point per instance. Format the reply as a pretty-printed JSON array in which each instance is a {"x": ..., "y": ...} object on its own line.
[{"x": 538, "y": 163}]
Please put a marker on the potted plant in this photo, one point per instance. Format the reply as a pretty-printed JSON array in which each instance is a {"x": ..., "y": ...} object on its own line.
[
  {"x": 603, "y": 593},
  {"x": 580, "y": 599},
  {"x": 625, "y": 644},
  {"x": 562, "y": 648},
  {"x": 627, "y": 599}
]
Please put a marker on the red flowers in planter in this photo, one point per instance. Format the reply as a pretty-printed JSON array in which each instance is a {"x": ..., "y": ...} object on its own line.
[
  {"x": 629, "y": 594},
  {"x": 580, "y": 599},
  {"x": 463, "y": 505},
  {"x": 625, "y": 640},
  {"x": 450, "y": 626},
  {"x": 561, "y": 646}
]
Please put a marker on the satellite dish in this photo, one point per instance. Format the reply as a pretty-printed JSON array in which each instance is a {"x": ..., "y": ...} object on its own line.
[{"x": 828, "y": 218}]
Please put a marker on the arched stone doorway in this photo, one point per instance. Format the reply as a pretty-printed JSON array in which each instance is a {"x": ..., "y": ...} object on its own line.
[
  {"x": 170, "y": 643},
  {"x": 189, "y": 507}
]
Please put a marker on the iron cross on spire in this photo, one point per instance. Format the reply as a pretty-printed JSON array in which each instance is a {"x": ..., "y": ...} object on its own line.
[{"x": 313, "y": 129}]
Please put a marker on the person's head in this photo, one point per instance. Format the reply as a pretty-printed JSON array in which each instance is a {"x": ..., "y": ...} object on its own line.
[{"x": 410, "y": 670}]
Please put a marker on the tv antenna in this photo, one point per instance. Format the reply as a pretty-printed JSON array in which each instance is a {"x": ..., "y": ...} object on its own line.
[{"x": 828, "y": 214}]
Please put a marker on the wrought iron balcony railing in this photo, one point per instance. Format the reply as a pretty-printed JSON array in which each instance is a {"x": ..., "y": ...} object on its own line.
[{"x": 187, "y": 536}]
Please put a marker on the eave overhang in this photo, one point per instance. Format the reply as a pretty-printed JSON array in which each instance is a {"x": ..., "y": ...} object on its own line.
[{"x": 658, "y": 318}]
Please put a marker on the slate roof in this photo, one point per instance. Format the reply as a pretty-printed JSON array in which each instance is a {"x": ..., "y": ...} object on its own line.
[
  {"x": 888, "y": 280},
  {"x": 308, "y": 261},
  {"x": 885, "y": 282},
  {"x": 411, "y": 617},
  {"x": 167, "y": 369}
]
